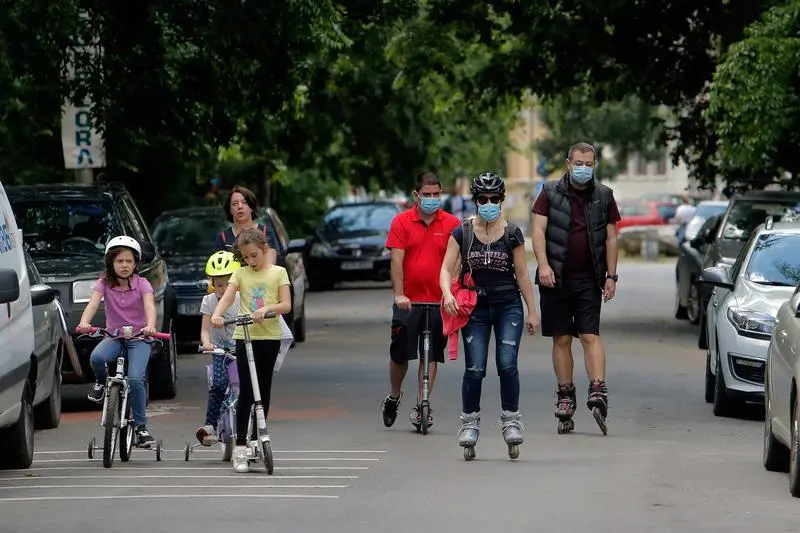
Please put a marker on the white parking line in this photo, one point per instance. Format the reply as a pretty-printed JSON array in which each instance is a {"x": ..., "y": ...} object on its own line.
[
  {"x": 237, "y": 476},
  {"x": 173, "y": 496},
  {"x": 282, "y": 459},
  {"x": 198, "y": 468},
  {"x": 57, "y": 452},
  {"x": 47, "y": 487}
]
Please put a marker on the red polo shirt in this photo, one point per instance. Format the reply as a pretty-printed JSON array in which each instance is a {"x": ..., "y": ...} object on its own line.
[{"x": 424, "y": 246}]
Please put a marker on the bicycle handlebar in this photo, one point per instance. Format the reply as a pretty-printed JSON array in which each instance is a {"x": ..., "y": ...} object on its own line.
[
  {"x": 218, "y": 351},
  {"x": 140, "y": 336},
  {"x": 244, "y": 320}
]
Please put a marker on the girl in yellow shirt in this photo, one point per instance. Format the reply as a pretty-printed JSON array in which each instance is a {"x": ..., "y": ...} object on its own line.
[{"x": 263, "y": 287}]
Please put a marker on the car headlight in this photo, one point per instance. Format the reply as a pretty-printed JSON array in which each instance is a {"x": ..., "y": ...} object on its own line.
[
  {"x": 319, "y": 249},
  {"x": 751, "y": 322},
  {"x": 82, "y": 291}
]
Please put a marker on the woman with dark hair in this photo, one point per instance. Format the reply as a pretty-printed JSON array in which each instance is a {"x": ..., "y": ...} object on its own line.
[{"x": 241, "y": 210}]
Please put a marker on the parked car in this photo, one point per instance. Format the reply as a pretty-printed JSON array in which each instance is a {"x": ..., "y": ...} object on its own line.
[
  {"x": 690, "y": 259},
  {"x": 744, "y": 213},
  {"x": 741, "y": 313},
  {"x": 65, "y": 227},
  {"x": 350, "y": 245},
  {"x": 782, "y": 404},
  {"x": 185, "y": 238},
  {"x": 18, "y": 370},
  {"x": 645, "y": 213},
  {"x": 52, "y": 345}
]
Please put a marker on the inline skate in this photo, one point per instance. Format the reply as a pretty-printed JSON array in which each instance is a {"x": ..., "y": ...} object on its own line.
[
  {"x": 469, "y": 433},
  {"x": 511, "y": 422},
  {"x": 565, "y": 407},
  {"x": 598, "y": 403}
]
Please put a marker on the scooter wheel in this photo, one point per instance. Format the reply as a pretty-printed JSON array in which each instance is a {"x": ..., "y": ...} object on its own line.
[
  {"x": 92, "y": 444},
  {"x": 269, "y": 465},
  {"x": 159, "y": 450},
  {"x": 187, "y": 450}
]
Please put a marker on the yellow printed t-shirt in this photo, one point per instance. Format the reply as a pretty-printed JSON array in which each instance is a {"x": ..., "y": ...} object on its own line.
[{"x": 257, "y": 289}]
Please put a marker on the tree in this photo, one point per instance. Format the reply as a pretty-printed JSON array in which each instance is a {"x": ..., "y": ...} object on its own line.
[
  {"x": 755, "y": 97},
  {"x": 626, "y": 127},
  {"x": 664, "y": 53}
]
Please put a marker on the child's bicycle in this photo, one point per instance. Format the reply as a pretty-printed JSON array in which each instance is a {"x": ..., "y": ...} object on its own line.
[
  {"x": 226, "y": 425},
  {"x": 116, "y": 418}
]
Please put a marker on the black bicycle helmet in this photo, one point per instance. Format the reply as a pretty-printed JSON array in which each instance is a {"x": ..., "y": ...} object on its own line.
[{"x": 487, "y": 183}]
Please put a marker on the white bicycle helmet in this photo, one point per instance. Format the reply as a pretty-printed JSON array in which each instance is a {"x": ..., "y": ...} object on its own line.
[{"x": 127, "y": 242}]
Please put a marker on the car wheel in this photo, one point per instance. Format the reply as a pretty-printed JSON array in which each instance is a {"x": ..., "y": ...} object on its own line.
[
  {"x": 722, "y": 402},
  {"x": 693, "y": 303},
  {"x": 47, "y": 415},
  {"x": 794, "y": 468},
  {"x": 709, "y": 379},
  {"x": 702, "y": 338},
  {"x": 164, "y": 374},
  {"x": 17, "y": 442},
  {"x": 680, "y": 311},
  {"x": 775, "y": 454}
]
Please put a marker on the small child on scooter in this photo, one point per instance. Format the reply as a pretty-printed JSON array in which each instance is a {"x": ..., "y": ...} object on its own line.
[
  {"x": 219, "y": 268},
  {"x": 263, "y": 288}
]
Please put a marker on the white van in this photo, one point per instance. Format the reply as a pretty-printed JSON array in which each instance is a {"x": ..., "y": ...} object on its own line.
[{"x": 17, "y": 341}]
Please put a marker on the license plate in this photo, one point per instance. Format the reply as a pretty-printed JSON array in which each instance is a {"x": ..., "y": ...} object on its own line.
[
  {"x": 191, "y": 308},
  {"x": 357, "y": 265}
]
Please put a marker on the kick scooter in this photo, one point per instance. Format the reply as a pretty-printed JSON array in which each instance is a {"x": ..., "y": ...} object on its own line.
[
  {"x": 424, "y": 404},
  {"x": 117, "y": 418},
  {"x": 258, "y": 438}
]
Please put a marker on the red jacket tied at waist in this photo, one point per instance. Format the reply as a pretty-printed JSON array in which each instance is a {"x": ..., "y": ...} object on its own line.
[{"x": 466, "y": 299}]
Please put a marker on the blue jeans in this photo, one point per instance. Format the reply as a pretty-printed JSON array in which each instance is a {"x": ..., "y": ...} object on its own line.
[
  {"x": 138, "y": 356},
  {"x": 216, "y": 392},
  {"x": 507, "y": 319}
]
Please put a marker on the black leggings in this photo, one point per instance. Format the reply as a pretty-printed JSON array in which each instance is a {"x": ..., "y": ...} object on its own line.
[{"x": 265, "y": 353}]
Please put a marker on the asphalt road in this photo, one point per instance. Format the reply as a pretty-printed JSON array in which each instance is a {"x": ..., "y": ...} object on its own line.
[{"x": 667, "y": 464}]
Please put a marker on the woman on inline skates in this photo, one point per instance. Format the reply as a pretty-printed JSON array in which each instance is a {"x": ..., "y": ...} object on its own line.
[
  {"x": 128, "y": 301},
  {"x": 263, "y": 287},
  {"x": 493, "y": 251},
  {"x": 219, "y": 268}
]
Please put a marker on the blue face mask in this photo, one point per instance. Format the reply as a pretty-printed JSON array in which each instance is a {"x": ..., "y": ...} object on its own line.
[
  {"x": 582, "y": 175},
  {"x": 489, "y": 212},
  {"x": 429, "y": 205}
]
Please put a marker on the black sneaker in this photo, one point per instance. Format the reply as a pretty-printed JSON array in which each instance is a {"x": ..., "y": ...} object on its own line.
[
  {"x": 143, "y": 437},
  {"x": 96, "y": 394},
  {"x": 390, "y": 406}
]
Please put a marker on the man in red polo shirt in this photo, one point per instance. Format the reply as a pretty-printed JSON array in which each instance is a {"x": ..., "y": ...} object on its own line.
[{"x": 418, "y": 241}]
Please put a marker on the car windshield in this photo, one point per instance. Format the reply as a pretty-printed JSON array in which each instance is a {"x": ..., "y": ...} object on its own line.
[
  {"x": 190, "y": 234},
  {"x": 701, "y": 214},
  {"x": 66, "y": 226},
  {"x": 775, "y": 260},
  {"x": 634, "y": 210},
  {"x": 746, "y": 215},
  {"x": 358, "y": 220}
]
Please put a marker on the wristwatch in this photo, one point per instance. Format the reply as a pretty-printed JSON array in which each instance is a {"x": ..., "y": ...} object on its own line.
[{"x": 614, "y": 277}]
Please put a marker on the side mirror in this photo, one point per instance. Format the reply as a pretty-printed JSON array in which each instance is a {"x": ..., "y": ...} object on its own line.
[
  {"x": 697, "y": 242},
  {"x": 717, "y": 276},
  {"x": 9, "y": 286},
  {"x": 148, "y": 252},
  {"x": 296, "y": 246},
  {"x": 43, "y": 294}
]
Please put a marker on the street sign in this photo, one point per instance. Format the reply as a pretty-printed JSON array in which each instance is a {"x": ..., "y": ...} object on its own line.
[{"x": 82, "y": 145}]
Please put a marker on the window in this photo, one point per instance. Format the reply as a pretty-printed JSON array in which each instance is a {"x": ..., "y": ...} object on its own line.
[
  {"x": 746, "y": 215},
  {"x": 189, "y": 234},
  {"x": 66, "y": 226},
  {"x": 641, "y": 165},
  {"x": 775, "y": 260},
  {"x": 661, "y": 164},
  {"x": 358, "y": 220}
]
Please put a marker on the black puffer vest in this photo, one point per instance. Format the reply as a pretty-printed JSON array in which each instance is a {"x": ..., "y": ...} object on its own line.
[{"x": 560, "y": 220}]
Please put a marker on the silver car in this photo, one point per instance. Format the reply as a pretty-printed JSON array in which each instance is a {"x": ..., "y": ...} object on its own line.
[{"x": 741, "y": 313}]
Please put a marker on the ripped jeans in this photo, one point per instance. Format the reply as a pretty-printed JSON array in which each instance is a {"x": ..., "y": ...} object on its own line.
[{"x": 507, "y": 318}]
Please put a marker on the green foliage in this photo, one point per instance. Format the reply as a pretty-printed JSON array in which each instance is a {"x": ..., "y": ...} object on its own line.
[
  {"x": 626, "y": 127},
  {"x": 755, "y": 97}
]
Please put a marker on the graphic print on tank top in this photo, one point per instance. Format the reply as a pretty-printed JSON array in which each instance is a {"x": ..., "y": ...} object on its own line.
[{"x": 493, "y": 258}]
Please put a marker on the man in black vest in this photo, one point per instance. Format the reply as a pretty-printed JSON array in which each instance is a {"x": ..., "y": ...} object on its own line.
[{"x": 575, "y": 242}]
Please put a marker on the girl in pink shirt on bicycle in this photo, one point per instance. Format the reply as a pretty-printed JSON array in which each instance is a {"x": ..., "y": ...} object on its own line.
[{"x": 129, "y": 301}]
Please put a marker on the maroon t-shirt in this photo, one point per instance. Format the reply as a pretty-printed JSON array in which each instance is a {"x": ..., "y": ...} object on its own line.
[{"x": 578, "y": 264}]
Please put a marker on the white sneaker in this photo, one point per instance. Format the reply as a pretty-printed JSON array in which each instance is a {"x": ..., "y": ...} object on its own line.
[{"x": 240, "y": 463}]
